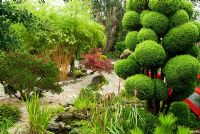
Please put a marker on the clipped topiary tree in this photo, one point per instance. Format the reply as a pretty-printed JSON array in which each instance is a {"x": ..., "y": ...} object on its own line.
[{"x": 163, "y": 39}]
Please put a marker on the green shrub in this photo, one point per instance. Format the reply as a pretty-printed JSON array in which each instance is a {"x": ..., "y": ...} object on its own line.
[
  {"x": 180, "y": 38},
  {"x": 143, "y": 14},
  {"x": 78, "y": 73},
  {"x": 194, "y": 51},
  {"x": 126, "y": 67},
  {"x": 181, "y": 70},
  {"x": 31, "y": 74},
  {"x": 161, "y": 90},
  {"x": 181, "y": 111},
  {"x": 131, "y": 20},
  {"x": 198, "y": 26},
  {"x": 180, "y": 17},
  {"x": 140, "y": 84},
  {"x": 183, "y": 130},
  {"x": 131, "y": 40},
  {"x": 150, "y": 54},
  {"x": 9, "y": 111},
  {"x": 146, "y": 34},
  {"x": 131, "y": 56},
  {"x": 166, "y": 7},
  {"x": 135, "y": 5},
  {"x": 156, "y": 21},
  {"x": 187, "y": 6},
  {"x": 194, "y": 121},
  {"x": 120, "y": 46}
]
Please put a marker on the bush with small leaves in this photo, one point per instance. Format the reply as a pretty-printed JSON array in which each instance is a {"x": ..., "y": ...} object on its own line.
[
  {"x": 146, "y": 34},
  {"x": 181, "y": 111},
  {"x": 135, "y": 5},
  {"x": 150, "y": 54},
  {"x": 166, "y": 7},
  {"x": 156, "y": 21},
  {"x": 187, "y": 6},
  {"x": 131, "y": 20},
  {"x": 161, "y": 90},
  {"x": 181, "y": 70},
  {"x": 143, "y": 14},
  {"x": 194, "y": 51},
  {"x": 180, "y": 17},
  {"x": 140, "y": 84},
  {"x": 197, "y": 23},
  {"x": 131, "y": 40},
  {"x": 181, "y": 38},
  {"x": 126, "y": 67},
  {"x": 131, "y": 57}
]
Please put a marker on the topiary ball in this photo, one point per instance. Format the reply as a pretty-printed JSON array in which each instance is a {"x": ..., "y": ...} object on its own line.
[
  {"x": 166, "y": 7},
  {"x": 181, "y": 70},
  {"x": 146, "y": 34},
  {"x": 143, "y": 85},
  {"x": 156, "y": 21},
  {"x": 194, "y": 51},
  {"x": 181, "y": 38},
  {"x": 131, "y": 40},
  {"x": 131, "y": 57},
  {"x": 135, "y": 5},
  {"x": 143, "y": 14},
  {"x": 187, "y": 6},
  {"x": 161, "y": 90},
  {"x": 181, "y": 111},
  {"x": 150, "y": 54},
  {"x": 198, "y": 26},
  {"x": 126, "y": 67},
  {"x": 180, "y": 17},
  {"x": 131, "y": 20}
]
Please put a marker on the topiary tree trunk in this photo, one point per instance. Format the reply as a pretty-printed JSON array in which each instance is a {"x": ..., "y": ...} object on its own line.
[{"x": 163, "y": 66}]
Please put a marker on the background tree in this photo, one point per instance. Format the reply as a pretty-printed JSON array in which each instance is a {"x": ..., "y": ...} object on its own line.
[{"x": 163, "y": 39}]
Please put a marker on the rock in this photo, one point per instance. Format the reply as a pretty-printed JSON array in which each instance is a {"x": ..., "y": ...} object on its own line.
[
  {"x": 99, "y": 79},
  {"x": 53, "y": 126},
  {"x": 80, "y": 116},
  {"x": 68, "y": 127},
  {"x": 125, "y": 54},
  {"x": 67, "y": 115},
  {"x": 62, "y": 125}
]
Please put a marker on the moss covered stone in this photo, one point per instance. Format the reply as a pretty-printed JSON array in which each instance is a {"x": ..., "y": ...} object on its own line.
[
  {"x": 181, "y": 70},
  {"x": 180, "y": 17},
  {"x": 150, "y": 54},
  {"x": 180, "y": 38},
  {"x": 143, "y": 85},
  {"x": 131, "y": 20},
  {"x": 156, "y": 21},
  {"x": 126, "y": 67},
  {"x": 146, "y": 34},
  {"x": 131, "y": 40}
]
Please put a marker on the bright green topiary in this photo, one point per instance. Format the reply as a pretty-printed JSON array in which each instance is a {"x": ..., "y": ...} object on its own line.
[
  {"x": 150, "y": 54},
  {"x": 187, "y": 6},
  {"x": 156, "y": 21},
  {"x": 131, "y": 40},
  {"x": 181, "y": 111},
  {"x": 131, "y": 57},
  {"x": 143, "y": 14},
  {"x": 161, "y": 90},
  {"x": 181, "y": 70},
  {"x": 126, "y": 67},
  {"x": 194, "y": 51},
  {"x": 146, "y": 34},
  {"x": 197, "y": 23},
  {"x": 180, "y": 38},
  {"x": 135, "y": 5},
  {"x": 166, "y": 7},
  {"x": 143, "y": 85},
  {"x": 131, "y": 20},
  {"x": 180, "y": 17}
]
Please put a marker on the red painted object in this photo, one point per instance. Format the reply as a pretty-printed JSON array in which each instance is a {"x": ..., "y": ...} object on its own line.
[
  {"x": 170, "y": 91},
  {"x": 157, "y": 76},
  {"x": 193, "y": 101}
]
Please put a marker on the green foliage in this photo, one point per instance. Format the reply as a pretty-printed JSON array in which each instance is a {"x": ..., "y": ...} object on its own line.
[
  {"x": 141, "y": 85},
  {"x": 143, "y": 14},
  {"x": 136, "y": 5},
  {"x": 146, "y": 34},
  {"x": 31, "y": 74},
  {"x": 194, "y": 121},
  {"x": 194, "y": 51},
  {"x": 198, "y": 26},
  {"x": 181, "y": 71},
  {"x": 131, "y": 20},
  {"x": 166, "y": 7},
  {"x": 180, "y": 38},
  {"x": 38, "y": 117},
  {"x": 161, "y": 90},
  {"x": 156, "y": 21},
  {"x": 180, "y": 110},
  {"x": 120, "y": 46},
  {"x": 187, "y": 6},
  {"x": 137, "y": 131},
  {"x": 125, "y": 68},
  {"x": 131, "y": 40},
  {"x": 179, "y": 18},
  {"x": 166, "y": 124},
  {"x": 78, "y": 73},
  {"x": 10, "y": 112},
  {"x": 150, "y": 54},
  {"x": 183, "y": 130}
]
